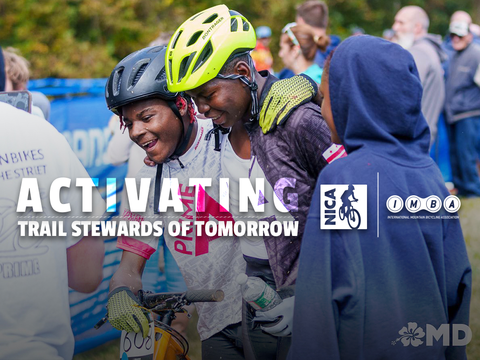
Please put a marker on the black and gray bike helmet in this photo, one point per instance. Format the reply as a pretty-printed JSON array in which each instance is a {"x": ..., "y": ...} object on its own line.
[
  {"x": 141, "y": 75},
  {"x": 138, "y": 76}
]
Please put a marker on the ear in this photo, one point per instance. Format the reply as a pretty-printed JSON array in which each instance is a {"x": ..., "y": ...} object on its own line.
[
  {"x": 182, "y": 105},
  {"x": 242, "y": 68}
]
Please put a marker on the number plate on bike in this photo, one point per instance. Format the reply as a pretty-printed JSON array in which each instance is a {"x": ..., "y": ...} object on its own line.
[{"x": 134, "y": 347}]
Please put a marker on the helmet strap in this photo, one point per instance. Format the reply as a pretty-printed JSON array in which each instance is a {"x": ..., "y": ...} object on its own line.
[
  {"x": 183, "y": 144},
  {"x": 251, "y": 84},
  {"x": 175, "y": 110},
  {"x": 186, "y": 138}
]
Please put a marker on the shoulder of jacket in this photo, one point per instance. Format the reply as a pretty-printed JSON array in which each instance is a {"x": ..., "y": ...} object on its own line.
[{"x": 304, "y": 113}]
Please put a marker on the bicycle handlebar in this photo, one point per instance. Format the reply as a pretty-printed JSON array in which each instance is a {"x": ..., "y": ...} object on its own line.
[
  {"x": 150, "y": 301},
  {"x": 204, "y": 295}
]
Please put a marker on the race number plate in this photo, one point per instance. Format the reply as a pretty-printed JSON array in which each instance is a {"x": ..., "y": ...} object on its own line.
[{"x": 134, "y": 347}]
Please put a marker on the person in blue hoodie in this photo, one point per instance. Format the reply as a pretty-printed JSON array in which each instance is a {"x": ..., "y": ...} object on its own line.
[{"x": 376, "y": 293}]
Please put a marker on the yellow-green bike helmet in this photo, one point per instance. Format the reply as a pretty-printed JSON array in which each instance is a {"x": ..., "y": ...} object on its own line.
[{"x": 201, "y": 46}]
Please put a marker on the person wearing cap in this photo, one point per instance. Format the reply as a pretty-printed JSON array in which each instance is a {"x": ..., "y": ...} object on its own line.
[
  {"x": 462, "y": 105},
  {"x": 411, "y": 32},
  {"x": 261, "y": 55}
]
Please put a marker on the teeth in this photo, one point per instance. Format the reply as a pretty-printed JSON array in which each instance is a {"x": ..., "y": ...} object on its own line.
[{"x": 147, "y": 143}]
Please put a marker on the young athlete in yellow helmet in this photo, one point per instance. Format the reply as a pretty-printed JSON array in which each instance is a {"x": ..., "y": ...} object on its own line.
[{"x": 276, "y": 133}]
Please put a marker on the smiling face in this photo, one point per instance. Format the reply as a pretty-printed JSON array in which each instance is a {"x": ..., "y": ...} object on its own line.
[
  {"x": 225, "y": 101},
  {"x": 327, "y": 107},
  {"x": 154, "y": 127}
]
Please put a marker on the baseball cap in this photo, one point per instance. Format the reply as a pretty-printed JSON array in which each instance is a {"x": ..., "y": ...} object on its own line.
[
  {"x": 263, "y": 32},
  {"x": 459, "y": 28}
]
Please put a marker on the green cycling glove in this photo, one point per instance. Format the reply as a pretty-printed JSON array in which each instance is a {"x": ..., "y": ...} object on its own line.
[
  {"x": 124, "y": 313},
  {"x": 284, "y": 97}
]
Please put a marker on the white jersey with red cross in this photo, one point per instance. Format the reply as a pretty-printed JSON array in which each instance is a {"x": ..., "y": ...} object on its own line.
[{"x": 205, "y": 262}]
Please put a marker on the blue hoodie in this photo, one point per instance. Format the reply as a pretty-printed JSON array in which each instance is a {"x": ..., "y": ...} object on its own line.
[{"x": 358, "y": 294}]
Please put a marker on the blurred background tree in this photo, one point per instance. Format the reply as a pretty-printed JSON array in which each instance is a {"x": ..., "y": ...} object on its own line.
[{"x": 86, "y": 38}]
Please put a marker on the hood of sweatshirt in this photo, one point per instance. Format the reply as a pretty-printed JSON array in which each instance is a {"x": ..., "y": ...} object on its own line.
[{"x": 376, "y": 96}]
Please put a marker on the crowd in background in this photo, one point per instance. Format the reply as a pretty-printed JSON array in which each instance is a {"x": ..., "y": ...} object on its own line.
[{"x": 448, "y": 68}]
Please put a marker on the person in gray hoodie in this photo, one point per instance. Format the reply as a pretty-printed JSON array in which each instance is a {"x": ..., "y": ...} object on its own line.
[
  {"x": 411, "y": 32},
  {"x": 462, "y": 106}
]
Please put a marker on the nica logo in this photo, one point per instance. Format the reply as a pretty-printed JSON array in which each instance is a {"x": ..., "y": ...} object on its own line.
[
  {"x": 415, "y": 203},
  {"x": 343, "y": 207}
]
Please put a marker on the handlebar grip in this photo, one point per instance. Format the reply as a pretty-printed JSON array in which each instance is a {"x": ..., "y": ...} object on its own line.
[{"x": 204, "y": 295}]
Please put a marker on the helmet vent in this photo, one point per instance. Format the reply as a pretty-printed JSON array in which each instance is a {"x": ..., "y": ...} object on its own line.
[
  {"x": 184, "y": 65},
  {"x": 107, "y": 94},
  {"x": 156, "y": 49},
  {"x": 117, "y": 81},
  {"x": 210, "y": 19},
  {"x": 246, "y": 26},
  {"x": 233, "y": 25},
  {"x": 162, "y": 75},
  {"x": 176, "y": 39},
  {"x": 139, "y": 73},
  {"x": 204, "y": 55},
  {"x": 171, "y": 73},
  {"x": 194, "y": 38}
]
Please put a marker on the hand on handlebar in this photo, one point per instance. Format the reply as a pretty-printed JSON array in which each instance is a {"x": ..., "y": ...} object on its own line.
[{"x": 124, "y": 313}]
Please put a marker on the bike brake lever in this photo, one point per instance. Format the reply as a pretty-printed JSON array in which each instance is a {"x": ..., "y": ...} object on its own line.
[
  {"x": 184, "y": 311},
  {"x": 99, "y": 324}
]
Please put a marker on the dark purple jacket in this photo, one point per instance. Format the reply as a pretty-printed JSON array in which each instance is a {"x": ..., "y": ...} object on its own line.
[{"x": 294, "y": 151}]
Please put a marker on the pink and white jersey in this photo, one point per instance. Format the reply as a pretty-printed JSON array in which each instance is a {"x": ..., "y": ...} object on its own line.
[{"x": 205, "y": 262}]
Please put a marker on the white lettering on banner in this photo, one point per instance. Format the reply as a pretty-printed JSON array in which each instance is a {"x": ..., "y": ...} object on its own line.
[
  {"x": 170, "y": 195},
  {"x": 90, "y": 145}
]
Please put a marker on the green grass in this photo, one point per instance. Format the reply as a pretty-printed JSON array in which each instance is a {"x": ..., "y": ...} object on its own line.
[{"x": 470, "y": 219}]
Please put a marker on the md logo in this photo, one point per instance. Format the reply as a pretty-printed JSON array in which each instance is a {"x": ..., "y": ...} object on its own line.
[
  {"x": 343, "y": 207},
  {"x": 450, "y": 335}
]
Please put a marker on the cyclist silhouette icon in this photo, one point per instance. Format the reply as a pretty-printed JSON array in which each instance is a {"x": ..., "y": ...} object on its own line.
[{"x": 347, "y": 210}]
